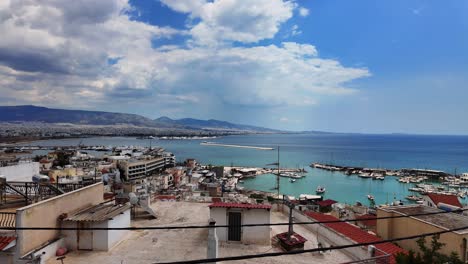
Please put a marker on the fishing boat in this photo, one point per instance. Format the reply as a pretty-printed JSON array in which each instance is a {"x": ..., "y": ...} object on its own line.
[
  {"x": 320, "y": 190},
  {"x": 365, "y": 175},
  {"x": 370, "y": 197}
]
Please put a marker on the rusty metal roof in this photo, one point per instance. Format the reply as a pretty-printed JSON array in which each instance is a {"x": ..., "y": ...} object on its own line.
[
  {"x": 239, "y": 205},
  {"x": 99, "y": 213}
]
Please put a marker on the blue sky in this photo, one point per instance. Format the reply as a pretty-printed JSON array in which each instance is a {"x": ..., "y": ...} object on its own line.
[{"x": 348, "y": 66}]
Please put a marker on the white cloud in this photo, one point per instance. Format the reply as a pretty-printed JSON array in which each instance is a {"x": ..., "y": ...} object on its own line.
[
  {"x": 303, "y": 11},
  {"x": 234, "y": 20},
  {"x": 56, "y": 53},
  {"x": 295, "y": 30}
]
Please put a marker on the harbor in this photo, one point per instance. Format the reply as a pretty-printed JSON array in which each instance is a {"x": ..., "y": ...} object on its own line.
[
  {"x": 205, "y": 143},
  {"x": 297, "y": 151}
]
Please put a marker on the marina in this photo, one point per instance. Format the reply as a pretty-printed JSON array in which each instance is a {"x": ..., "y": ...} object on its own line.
[{"x": 298, "y": 151}]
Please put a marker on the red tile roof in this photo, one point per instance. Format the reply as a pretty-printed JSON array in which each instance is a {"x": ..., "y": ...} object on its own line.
[
  {"x": 445, "y": 198},
  {"x": 239, "y": 205},
  {"x": 356, "y": 234},
  {"x": 327, "y": 202},
  {"x": 5, "y": 241}
]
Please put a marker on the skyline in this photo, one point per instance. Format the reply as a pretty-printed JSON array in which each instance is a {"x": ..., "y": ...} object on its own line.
[{"x": 395, "y": 67}]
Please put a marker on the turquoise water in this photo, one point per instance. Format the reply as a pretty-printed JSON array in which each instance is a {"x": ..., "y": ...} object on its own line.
[{"x": 448, "y": 153}]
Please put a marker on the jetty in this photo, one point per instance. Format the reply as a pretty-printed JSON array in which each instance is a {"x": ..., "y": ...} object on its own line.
[{"x": 234, "y": 146}]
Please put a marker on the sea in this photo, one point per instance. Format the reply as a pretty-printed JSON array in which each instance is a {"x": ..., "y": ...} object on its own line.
[{"x": 447, "y": 153}]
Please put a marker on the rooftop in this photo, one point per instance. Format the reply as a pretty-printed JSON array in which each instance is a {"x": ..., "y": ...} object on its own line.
[
  {"x": 444, "y": 220},
  {"x": 99, "y": 213},
  {"x": 239, "y": 205},
  {"x": 445, "y": 198},
  {"x": 355, "y": 233},
  {"x": 149, "y": 246},
  {"x": 6, "y": 242}
]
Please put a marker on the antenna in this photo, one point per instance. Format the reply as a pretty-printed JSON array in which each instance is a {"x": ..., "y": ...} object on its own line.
[{"x": 278, "y": 176}]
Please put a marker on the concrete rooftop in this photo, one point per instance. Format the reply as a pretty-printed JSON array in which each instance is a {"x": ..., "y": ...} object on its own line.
[{"x": 149, "y": 246}]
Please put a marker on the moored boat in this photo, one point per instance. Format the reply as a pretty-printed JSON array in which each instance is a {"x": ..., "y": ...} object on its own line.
[{"x": 320, "y": 190}]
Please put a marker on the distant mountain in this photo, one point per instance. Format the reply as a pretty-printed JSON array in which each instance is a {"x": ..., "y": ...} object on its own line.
[
  {"x": 212, "y": 124},
  {"x": 30, "y": 113}
]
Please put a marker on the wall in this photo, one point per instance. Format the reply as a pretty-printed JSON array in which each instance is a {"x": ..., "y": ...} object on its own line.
[
  {"x": 255, "y": 234},
  {"x": 401, "y": 227},
  {"x": 46, "y": 213},
  {"x": 21, "y": 172},
  {"x": 102, "y": 239},
  {"x": 115, "y": 236},
  {"x": 49, "y": 251}
]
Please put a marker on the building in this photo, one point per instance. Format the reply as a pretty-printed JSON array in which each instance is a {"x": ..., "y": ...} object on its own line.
[
  {"x": 145, "y": 165},
  {"x": 38, "y": 246},
  {"x": 236, "y": 214},
  {"x": 342, "y": 233},
  {"x": 434, "y": 174},
  {"x": 409, "y": 226},
  {"x": 23, "y": 171},
  {"x": 441, "y": 200},
  {"x": 106, "y": 215}
]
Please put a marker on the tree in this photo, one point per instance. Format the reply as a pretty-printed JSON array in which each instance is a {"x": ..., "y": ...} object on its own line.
[{"x": 429, "y": 254}]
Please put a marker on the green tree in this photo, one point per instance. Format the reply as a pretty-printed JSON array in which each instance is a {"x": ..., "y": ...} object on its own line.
[{"x": 429, "y": 254}]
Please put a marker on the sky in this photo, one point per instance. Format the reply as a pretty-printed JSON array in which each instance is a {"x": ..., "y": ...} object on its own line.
[{"x": 393, "y": 66}]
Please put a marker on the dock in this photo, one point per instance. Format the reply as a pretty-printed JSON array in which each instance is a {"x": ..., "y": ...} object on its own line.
[{"x": 234, "y": 146}]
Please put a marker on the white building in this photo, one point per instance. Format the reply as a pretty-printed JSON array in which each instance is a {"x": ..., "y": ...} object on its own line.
[
  {"x": 22, "y": 172},
  {"x": 236, "y": 214},
  {"x": 107, "y": 215}
]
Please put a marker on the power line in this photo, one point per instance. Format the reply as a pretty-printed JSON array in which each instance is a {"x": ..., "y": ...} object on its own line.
[
  {"x": 295, "y": 252},
  {"x": 226, "y": 226}
]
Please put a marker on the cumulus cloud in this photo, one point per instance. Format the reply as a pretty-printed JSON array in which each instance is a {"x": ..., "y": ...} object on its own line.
[
  {"x": 231, "y": 20},
  {"x": 86, "y": 53},
  {"x": 303, "y": 11}
]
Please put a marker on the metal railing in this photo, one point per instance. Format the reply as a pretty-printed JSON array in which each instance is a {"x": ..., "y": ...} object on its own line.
[{"x": 7, "y": 219}]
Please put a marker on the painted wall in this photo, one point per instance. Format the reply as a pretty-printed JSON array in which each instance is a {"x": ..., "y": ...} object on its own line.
[
  {"x": 406, "y": 226},
  {"x": 115, "y": 236},
  {"x": 46, "y": 214},
  {"x": 21, "y": 172},
  {"x": 102, "y": 239},
  {"x": 255, "y": 234}
]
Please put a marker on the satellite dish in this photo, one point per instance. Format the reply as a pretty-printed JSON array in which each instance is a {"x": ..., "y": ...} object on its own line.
[{"x": 134, "y": 200}]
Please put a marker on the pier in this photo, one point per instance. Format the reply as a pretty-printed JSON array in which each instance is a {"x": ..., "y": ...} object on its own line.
[{"x": 235, "y": 146}]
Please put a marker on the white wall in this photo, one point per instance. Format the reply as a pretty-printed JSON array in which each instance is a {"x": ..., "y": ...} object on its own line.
[
  {"x": 100, "y": 236},
  {"x": 102, "y": 239},
  {"x": 21, "y": 172},
  {"x": 49, "y": 251},
  {"x": 254, "y": 234},
  {"x": 115, "y": 236}
]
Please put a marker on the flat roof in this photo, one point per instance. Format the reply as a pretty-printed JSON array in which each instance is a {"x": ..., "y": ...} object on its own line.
[
  {"x": 444, "y": 220},
  {"x": 99, "y": 213},
  {"x": 240, "y": 205}
]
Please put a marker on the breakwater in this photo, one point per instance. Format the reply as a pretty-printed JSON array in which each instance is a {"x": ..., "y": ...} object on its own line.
[{"x": 234, "y": 146}]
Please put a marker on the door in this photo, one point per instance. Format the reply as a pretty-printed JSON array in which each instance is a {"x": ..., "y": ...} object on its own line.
[
  {"x": 234, "y": 229},
  {"x": 85, "y": 237}
]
